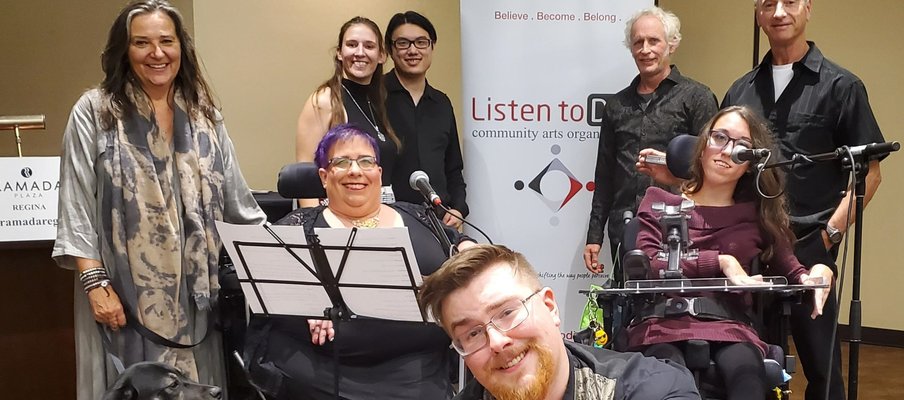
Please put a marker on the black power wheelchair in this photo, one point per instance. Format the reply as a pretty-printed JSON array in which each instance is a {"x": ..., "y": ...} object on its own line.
[{"x": 635, "y": 293}]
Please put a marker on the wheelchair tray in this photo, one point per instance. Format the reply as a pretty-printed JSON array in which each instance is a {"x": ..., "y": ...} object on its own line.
[{"x": 770, "y": 284}]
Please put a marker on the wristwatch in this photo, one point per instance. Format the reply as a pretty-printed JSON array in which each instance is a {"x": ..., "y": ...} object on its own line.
[{"x": 835, "y": 235}]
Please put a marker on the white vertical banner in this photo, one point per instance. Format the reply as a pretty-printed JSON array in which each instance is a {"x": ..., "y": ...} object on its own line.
[{"x": 535, "y": 77}]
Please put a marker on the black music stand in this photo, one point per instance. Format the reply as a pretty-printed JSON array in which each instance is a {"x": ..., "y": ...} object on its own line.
[{"x": 282, "y": 271}]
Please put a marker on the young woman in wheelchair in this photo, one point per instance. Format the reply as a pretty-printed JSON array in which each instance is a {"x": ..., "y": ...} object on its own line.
[{"x": 730, "y": 226}]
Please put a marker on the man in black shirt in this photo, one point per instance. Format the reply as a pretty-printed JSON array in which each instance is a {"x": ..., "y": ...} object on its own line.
[
  {"x": 658, "y": 105},
  {"x": 422, "y": 117},
  {"x": 813, "y": 106},
  {"x": 506, "y": 327}
]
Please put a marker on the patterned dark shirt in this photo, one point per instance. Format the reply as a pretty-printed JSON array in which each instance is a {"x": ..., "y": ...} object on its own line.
[
  {"x": 678, "y": 106},
  {"x": 823, "y": 107},
  {"x": 601, "y": 374}
]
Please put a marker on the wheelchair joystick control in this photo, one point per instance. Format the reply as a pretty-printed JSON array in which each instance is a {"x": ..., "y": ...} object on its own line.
[{"x": 675, "y": 241}]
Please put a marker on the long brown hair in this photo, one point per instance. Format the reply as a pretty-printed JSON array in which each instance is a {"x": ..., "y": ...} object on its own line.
[
  {"x": 376, "y": 91},
  {"x": 118, "y": 71},
  {"x": 772, "y": 212}
]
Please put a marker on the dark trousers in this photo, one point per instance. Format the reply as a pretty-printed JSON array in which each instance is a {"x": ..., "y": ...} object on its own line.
[
  {"x": 813, "y": 341},
  {"x": 739, "y": 364},
  {"x": 813, "y": 337}
]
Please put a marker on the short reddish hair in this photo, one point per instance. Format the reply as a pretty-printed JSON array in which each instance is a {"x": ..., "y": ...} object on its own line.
[{"x": 458, "y": 271}]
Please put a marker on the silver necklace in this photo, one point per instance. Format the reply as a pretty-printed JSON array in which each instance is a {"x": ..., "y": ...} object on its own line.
[{"x": 370, "y": 119}]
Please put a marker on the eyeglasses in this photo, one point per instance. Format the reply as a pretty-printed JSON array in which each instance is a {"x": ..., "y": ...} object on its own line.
[
  {"x": 512, "y": 315},
  {"x": 719, "y": 139},
  {"x": 366, "y": 163},
  {"x": 403, "y": 44}
]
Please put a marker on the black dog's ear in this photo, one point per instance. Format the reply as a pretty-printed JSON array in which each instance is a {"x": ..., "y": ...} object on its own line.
[{"x": 122, "y": 391}]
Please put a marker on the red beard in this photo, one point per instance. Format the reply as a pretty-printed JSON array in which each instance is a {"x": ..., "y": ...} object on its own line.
[{"x": 521, "y": 389}]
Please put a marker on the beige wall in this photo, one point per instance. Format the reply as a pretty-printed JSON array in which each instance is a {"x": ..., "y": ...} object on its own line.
[
  {"x": 50, "y": 52},
  {"x": 263, "y": 58}
]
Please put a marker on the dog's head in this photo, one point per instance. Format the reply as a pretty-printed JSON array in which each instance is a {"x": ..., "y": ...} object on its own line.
[{"x": 158, "y": 381}]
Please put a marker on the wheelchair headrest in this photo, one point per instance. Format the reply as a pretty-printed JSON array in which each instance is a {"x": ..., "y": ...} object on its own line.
[
  {"x": 300, "y": 181},
  {"x": 679, "y": 155}
]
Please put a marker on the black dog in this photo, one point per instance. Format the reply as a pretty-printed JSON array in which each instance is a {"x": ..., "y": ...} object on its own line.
[{"x": 158, "y": 381}]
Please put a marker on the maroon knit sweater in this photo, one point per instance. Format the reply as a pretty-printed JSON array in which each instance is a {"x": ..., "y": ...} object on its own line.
[{"x": 730, "y": 230}]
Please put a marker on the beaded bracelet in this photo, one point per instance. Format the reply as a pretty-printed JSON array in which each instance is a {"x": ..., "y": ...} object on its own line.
[
  {"x": 99, "y": 284},
  {"x": 93, "y": 278},
  {"x": 91, "y": 272}
]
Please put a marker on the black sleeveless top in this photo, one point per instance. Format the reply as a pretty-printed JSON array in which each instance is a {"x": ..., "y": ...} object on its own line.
[{"x": 360, "y": 112}]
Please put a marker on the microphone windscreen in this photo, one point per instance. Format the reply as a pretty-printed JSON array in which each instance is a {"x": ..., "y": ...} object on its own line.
[
  {"x": 736, "y": 154},
  {"x": 416, "y": 176},
  {"x": 679, "y": 154}
]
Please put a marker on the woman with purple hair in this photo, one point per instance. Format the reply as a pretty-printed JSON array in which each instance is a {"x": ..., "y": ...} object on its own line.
[{"x": 292, "y": 357}]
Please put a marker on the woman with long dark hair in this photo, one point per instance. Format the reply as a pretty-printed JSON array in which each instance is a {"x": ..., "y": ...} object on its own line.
[
  {"x": 732, "y": 224},
  {"x": 146, "y": 169}
]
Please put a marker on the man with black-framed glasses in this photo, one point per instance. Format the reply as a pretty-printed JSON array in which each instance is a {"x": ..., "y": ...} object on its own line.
[
  {"x": 422, "y": 117},
  {"x": 506, "y": 326}
]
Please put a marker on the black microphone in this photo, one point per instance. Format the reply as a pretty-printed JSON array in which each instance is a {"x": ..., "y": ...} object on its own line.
[
  {"x": 740, "y": 154},
  {"x": 872, "y": 149},
  {"x": 421, "y": 182}
]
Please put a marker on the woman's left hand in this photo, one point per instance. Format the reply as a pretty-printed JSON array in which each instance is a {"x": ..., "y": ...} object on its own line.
[
  {"x": 321, "y": 331},
  {"x": 819, "y": 295}
]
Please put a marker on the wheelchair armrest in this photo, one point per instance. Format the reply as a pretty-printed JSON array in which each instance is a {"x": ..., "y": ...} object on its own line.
[
  {"x": 774, "y": 373},
  {"x": 777, "y": 362}
]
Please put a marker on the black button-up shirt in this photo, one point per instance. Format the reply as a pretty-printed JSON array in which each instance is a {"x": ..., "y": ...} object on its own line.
[
  {"x": 429, "y": 138},
  {"x": 678, "y": 106},
  {"x": 823, "y": 107}
]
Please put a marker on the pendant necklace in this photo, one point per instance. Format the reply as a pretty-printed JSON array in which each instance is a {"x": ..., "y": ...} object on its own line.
[
  {"x": 372, "y": 119},
  {"x": 371, "y": 222}
]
